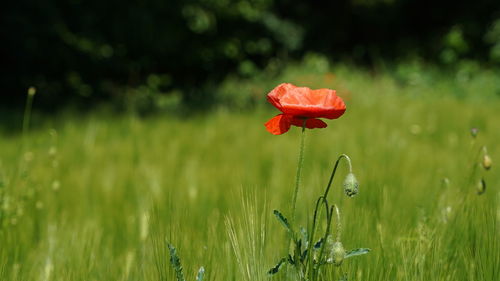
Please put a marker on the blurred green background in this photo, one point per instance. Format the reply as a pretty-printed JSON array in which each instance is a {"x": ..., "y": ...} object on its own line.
[
  {"x": 158, "y": 55},
  {"x": 147, "y": 127}
]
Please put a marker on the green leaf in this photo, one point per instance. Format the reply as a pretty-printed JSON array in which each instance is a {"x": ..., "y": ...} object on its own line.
[
  {"x": 175, "y": 261},
  {"x": 318, "y": 244},
  {"x": 298, "y": 246},
  {"x": 304, "y": 255},
  {"x": 201, "y": 272},
  {"x": 343, "y": 278},
  {"x": 283, "y": 220},
  {"x": 276, "y": 268},
  {"x": 305, "y": 237},
  {"x": 357, "y": 252},
  {"x": 297, "y": 255}
]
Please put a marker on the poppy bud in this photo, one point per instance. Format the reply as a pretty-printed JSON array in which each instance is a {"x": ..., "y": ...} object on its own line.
[
  {"x": 473, "y": 132},
  {"x": 337, "y": 252},
  {"x": 486, "y": 162},
  {"x": 481, "y": 186},
  {"x": 351, "y": 185}
]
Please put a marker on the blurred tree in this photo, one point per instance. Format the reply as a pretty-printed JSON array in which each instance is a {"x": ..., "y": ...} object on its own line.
[{"x": 87, "y": 51}]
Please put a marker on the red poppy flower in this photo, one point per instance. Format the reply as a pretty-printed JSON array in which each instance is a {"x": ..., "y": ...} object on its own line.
[{"x": 300, "y": 104}]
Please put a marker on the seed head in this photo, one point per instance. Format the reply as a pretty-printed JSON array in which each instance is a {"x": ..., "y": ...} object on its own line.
[
  {"x": 351, "y": 185},
  {"x": 487, "y": 162}
]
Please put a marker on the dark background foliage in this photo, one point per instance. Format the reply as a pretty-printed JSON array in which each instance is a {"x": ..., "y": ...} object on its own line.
[{"x": 83, "y": 52}]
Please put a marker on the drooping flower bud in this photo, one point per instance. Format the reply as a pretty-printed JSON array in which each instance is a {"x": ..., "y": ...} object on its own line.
[
  {"x": 473, "y": 132},
  {"x": 481, "y": 186},
  {"x": 336, "y": 253},
  {"x": 351, "y": 185},
  {"x": 486, "y": 162}
]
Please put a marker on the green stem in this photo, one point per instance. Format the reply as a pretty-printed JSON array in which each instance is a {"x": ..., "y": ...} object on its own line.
[
  {"x": 335, "y": 170},
  {"x": 339, "y": 224},
  {"x": 329, "y": 216},
  {"x": 321, "y": 200},
  {"x": 297, "y": 184},
  {"x": 299, "y": 170}
]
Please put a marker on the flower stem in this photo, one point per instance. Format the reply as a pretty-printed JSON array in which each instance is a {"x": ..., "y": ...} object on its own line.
[
  {"x": 330, "y": 181},
  {"x": 339, "y": 224},
  {"x": 297, "y": 184},
  {"x": 299, "y": 170}
]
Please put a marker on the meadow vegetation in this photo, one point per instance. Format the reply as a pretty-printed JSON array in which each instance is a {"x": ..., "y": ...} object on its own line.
[{"x": 99, "y": 196}]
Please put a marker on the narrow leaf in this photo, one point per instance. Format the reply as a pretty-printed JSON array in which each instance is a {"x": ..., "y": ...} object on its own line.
[
  {"x": 357, "y": 252},
  {"x": 304, "y": 255},
  {"x": 305, "y": 237},
  {"x": 283, "y": 220},
  {"x": 297, "y": 251},
  {"x": 318, "y": 244},
  {"x": 298, "y": 246},
  {"x": 201, "y": 272},
  {"x": 276, "y": 268}
]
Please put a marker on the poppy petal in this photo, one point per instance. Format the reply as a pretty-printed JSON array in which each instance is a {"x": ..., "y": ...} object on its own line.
[
  {"x": 279, "y": 124},
  {"x": 278, "y": 92},
  {"x": 302, "y": 101},
  {"x": 311, "y": 123}
]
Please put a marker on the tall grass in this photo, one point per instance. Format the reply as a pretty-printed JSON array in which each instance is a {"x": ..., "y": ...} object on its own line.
[{"x": 99, "y": 197}]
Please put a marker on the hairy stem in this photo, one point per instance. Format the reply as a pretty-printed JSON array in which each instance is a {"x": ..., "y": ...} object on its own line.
[
  {"x": 299, "y": 170},
  {"x": 329, "y": 216},
  {"x": 310, "y": 262},
  {"x": 339, "y": 224},
  {"x": 297, "y": 184},
  {"x": 335, "y": 170}
]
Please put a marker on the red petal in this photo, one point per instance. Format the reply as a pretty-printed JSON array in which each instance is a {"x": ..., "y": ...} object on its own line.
[
  {"x": 311, "y": 123},
  {"x": 279, "y": 124},
  {"x": 278, "y": 92},
  {"x": 314, "y": 123},
  {"x": 302, "y": 101}
]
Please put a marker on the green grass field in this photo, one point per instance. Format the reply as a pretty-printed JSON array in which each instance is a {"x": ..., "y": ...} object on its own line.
[{"x": 97, "y": 197}]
